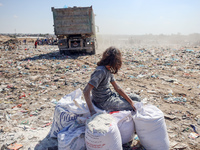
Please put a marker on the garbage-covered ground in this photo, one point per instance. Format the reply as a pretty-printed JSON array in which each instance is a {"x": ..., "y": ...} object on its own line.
[{"x": 33, "y": 79}]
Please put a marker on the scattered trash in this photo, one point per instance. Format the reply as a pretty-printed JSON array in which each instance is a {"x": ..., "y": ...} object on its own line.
[
  {"x": 175, "y": 99},
  {"x": 194, "y": 128},
  {"x": 47, "y": 124},
  {"x": 15, "y": 146},
  {"x": 198, "y": 121},
  {"x": 19, "y": 106},
  {"x": 33, "y": 80},
  {"x": 170, "y": 117},
  {"x": 193, "y": 135},
  {"x": 54, "y": 101},
  {"x": 25, "y": 122}
]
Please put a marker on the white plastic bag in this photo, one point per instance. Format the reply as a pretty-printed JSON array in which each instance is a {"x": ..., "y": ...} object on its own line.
[
  {"x": 150, "y": 127},
  {"x": 74, "y": 103},
  {"x": 125, "y": 124},
  {"x": 102, "y": 133}
]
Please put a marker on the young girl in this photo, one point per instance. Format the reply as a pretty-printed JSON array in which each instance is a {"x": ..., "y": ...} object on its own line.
[{"x": 99, "y": 84}]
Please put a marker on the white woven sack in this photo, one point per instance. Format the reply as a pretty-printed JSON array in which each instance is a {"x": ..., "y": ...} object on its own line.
[
  {"x": 102, "y": 133},
  {"x": 125, "y": 124},
  {"x": 68, "y": 109},
  {"x": 72, "y": 137},
  {"x": 75, "y": 104},
  {"x": 150, "y": 127},
  {"x": 61, "y": 119}
]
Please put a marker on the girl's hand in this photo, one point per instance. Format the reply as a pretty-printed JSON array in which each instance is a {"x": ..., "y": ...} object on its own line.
[
  {"x": 93, "y": 112},
  {"x": 132, "y": 104}
]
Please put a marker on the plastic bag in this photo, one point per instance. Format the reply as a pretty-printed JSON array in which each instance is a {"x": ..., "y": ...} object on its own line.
[{"x": 74, "y": 103}]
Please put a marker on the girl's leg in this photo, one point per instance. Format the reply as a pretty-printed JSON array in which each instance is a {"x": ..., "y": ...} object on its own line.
[
  {"x": 134, "y": 97},
  {"x": 118, "y": 103}
]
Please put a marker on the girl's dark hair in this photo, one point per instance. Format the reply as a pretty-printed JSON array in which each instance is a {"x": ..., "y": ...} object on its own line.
[{"x": 112, "y": 57}]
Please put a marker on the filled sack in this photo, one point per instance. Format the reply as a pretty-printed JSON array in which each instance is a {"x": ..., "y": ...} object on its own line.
[
  {"x": 72, "y": 137},
  {"x": 69, "y": 109},
  {"x": 150, "y": 127},
  {"x": 102, "y": 133},
  {"x": 125, "y": 124}
]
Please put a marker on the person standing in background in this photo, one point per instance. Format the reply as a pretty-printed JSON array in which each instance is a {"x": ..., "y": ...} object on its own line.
[{"x": 36, "y": 44}]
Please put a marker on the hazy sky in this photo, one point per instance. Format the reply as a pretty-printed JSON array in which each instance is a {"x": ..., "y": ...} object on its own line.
[{"x": 112, "y": 16}]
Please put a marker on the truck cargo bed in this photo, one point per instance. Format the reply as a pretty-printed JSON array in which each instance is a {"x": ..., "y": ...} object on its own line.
[{"x": 76, "y": 20}]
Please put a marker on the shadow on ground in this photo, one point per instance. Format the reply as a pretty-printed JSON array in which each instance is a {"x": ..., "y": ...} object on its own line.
[
  {"x": 55, "y": 56},
  {"x": 47, "y": 144}
]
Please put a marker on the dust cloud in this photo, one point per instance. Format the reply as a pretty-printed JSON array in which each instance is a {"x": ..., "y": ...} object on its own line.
[{"x": 147, "y": 41}]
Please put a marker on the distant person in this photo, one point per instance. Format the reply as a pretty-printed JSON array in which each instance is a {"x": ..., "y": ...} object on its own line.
[
  {"x": 99, "y": 85},
  {"x": 45, "y": 41},
  {"x": 36, "y": 44},
  {"x": 25, "y": 41}
]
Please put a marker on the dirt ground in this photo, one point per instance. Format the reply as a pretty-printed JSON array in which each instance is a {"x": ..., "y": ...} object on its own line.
[{"x": 33, "y": 79}]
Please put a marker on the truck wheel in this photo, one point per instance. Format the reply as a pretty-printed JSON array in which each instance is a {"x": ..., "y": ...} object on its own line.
[
  {"x": 66, "y": 52},
  {"x": 93, "y": 52},
  {"x": 61, "y": 52}
]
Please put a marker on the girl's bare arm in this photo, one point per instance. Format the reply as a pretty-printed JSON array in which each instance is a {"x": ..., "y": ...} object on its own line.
[
  {"x": 88, "y": 100},
  {"x": 122, "y": 93}
]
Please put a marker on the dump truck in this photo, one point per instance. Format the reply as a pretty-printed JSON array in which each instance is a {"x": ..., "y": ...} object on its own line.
[{"x": 75, "y": 29}]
